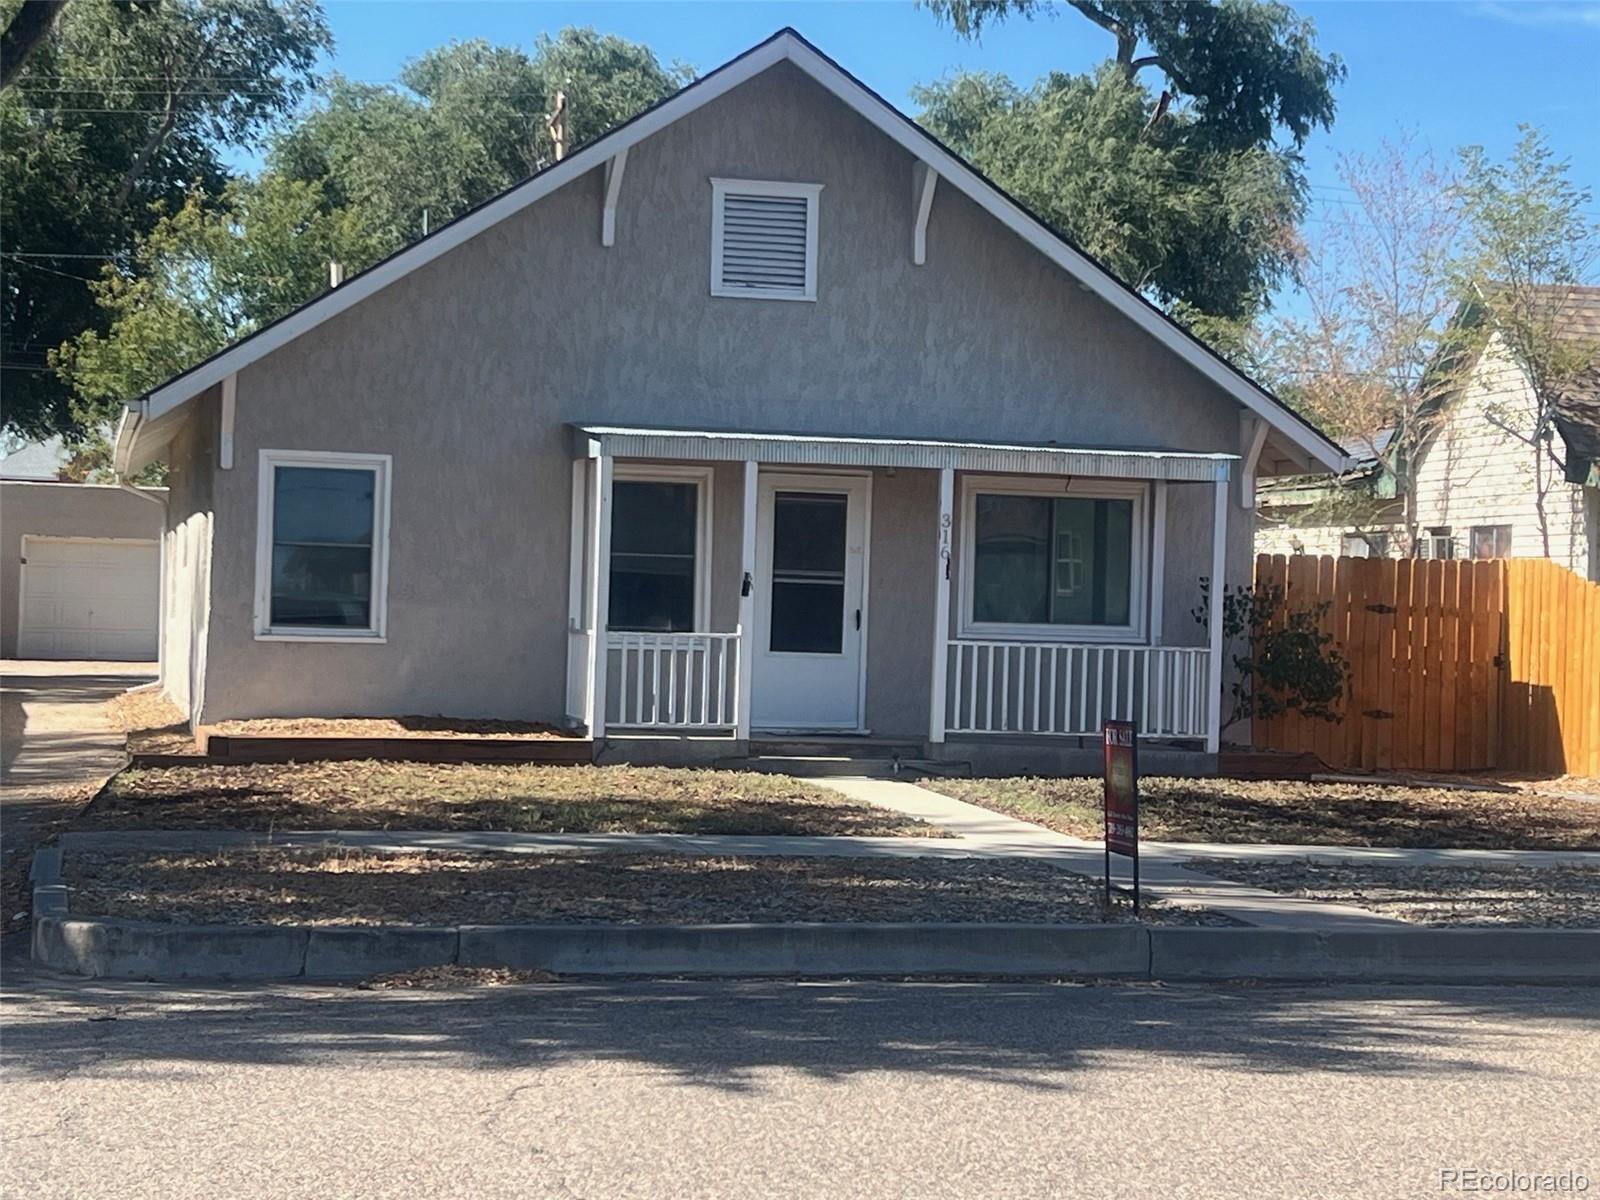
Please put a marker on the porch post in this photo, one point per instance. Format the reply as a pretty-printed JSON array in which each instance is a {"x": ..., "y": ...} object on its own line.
[
  {"x": 941, "y": 608},
  {"x": 599, "y": 593},
  {"x": 747, "y": 601},
  {"x": 1158, "y": 564},
  {"x": 1219, "y": 567}
]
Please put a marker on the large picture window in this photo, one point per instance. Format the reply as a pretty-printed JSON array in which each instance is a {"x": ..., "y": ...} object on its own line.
[
  {"x": 657, "y": 552},
  {"x": 321, "y": 557},
  {"x": 1062, "y": 565}
]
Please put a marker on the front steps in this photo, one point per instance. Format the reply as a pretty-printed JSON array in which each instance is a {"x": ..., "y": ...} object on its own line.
[{"x": 825, "y": 757}]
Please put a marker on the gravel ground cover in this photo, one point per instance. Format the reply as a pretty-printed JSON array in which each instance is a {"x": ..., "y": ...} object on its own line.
[
  {"x": 1540, "y": 896},
  {"x": 518, "y": 798},
  {"x": 339, "y": 886},
  {"x": 1316, "y": 814}
]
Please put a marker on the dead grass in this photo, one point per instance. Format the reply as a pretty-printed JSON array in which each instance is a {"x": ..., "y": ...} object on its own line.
[
  {"x": 389, "y": 727},
  {"x": 153, "y": 723},
  {"x": 341, "y": 886},
  {"x": 1315, "y": 814},
  {"x": 1548, "y": 897},
  {"x": 519, "y": 798}
]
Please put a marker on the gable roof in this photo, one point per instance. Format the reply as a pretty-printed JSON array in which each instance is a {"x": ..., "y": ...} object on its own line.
[{"x": 784, "y": 46}]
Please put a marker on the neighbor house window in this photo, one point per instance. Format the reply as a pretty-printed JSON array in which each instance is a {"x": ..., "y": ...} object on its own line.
[
  {"x": 322, "y": 550},
  {"x": 1491, "y": 541},
  {"x": 764, "y": 239},
  {"x": 659, "y": 522},
  {"x": 1439, "y": 543},
  {"x": 1054, "y": 565},
  {"x": 1365, "y": 545}
]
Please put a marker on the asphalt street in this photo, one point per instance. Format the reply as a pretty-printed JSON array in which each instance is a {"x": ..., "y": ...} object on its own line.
[{"x": 781, "y": 1088}]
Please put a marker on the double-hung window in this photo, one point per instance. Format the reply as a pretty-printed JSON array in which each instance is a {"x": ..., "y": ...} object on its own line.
[
  {"x": 322, "y": 546},
  {"x": 659, "y": 549},
  {"x": 1059, "y": 564}
]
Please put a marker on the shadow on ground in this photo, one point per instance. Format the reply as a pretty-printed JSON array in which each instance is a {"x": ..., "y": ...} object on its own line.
[{"x": 723, "y": 1035}]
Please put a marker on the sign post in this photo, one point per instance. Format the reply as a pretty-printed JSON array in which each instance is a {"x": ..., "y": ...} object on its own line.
[{"x": 1122, "y": 801}]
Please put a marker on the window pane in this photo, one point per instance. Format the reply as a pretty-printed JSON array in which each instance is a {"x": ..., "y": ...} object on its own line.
[
  {"x": 653, "y": 533},
  {"x": 807, "y": 618},
  {"x": 1011, "y": 578},
  {"x": 322, "y": 524},
  {"x": 808, "y": 533},
  {"x": 325, "y": 586},
  {"x": 653, "y": 518},
  {"x": 652, "y": 592},
  {"x": 320, "y": 506},
  {"x": 1053, "y": 561}
]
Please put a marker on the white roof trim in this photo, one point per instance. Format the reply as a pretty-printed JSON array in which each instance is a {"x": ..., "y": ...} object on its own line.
[
  {"x": 791, "y": 449},
  {"x": 788, "y": 46}
]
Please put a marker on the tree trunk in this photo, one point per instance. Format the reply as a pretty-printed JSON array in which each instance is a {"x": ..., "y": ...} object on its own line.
[{"x": 31, "y": 25}]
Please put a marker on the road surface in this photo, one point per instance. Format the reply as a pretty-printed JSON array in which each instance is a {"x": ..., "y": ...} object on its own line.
[{"x": 777, "y": 1088}]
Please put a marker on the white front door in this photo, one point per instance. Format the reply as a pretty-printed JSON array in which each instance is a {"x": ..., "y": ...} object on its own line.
[{"x": 809, "y": 640}]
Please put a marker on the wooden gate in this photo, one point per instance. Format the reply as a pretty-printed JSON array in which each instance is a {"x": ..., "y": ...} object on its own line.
[{"x": 1454, "y": 665}]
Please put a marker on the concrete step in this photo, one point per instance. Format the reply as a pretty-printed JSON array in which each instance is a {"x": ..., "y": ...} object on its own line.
[{"x": 833, "y": 747}]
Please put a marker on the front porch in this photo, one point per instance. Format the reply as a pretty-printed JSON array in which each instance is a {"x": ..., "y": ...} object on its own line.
[{"x": 730, "y": 585}]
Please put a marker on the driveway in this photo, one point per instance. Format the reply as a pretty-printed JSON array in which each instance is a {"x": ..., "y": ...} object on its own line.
[{"x": 55, "y": 748}]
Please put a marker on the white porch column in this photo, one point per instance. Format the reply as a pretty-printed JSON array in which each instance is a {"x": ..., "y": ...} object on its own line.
[
  {"x": 941, "y": 607},
  {"x": 1158, "y": 564},
  {"x": 747, "y": 601},
  {"x": 599, "y": 592},
  {"x": 1219, "y": 569}
]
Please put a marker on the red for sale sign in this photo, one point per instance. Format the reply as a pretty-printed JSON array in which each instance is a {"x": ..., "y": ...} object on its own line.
[{"x": 1122, "y": 789}]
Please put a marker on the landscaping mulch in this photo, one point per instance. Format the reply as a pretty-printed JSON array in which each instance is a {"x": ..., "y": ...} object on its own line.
[
  {"x": 1317, "y": 814},
  {"x": 389, "y": 727},
  {"x": 515, "y": 798},
  {"x": 339, "y": 886},
  {"x": 1549, "y": 897},
  {"x": 153, "y": 723}
]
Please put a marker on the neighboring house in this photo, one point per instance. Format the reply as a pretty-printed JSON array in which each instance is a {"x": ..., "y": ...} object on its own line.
[
  {"x": 1476, "y": 494},
  {"x": 79, "y": 563},
  {"x": 763, "y": 412}
]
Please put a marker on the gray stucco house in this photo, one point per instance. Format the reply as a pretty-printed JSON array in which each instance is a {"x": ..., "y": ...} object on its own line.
[{"x": 763, "y": 412}]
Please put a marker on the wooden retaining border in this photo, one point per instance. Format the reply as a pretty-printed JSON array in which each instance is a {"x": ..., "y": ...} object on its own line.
[{"x": 223, "y": 749}]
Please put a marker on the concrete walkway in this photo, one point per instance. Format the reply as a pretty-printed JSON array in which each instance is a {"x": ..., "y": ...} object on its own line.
[{"x": 54, "y": 738}]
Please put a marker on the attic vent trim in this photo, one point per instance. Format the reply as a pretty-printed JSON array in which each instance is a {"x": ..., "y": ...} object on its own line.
[{"x": 764, "y": 239}]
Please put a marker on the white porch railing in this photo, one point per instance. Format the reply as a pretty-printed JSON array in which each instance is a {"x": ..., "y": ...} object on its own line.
[
  {"x": 1068, "y": 690},
  {"x": 672, "y": 680}
]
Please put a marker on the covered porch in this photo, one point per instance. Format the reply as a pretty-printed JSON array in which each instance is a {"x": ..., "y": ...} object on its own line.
[{"x": 726, "y": 584}]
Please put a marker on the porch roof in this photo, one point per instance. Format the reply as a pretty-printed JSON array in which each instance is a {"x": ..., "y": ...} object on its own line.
[{"x": 803, "y": 449}]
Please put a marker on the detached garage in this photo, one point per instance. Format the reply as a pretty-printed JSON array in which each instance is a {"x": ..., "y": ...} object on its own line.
[{"x": 81, "y": 574}]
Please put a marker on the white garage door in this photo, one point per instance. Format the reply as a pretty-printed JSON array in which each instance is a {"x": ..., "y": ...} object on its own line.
[{"x": 89, "y": 599}]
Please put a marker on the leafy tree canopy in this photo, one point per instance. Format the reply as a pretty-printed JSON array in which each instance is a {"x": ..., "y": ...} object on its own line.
[{"x": 120, "y": 110}]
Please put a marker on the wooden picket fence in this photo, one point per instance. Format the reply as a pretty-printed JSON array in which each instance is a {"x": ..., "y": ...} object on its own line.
[{"x": 1454, "y": 665}]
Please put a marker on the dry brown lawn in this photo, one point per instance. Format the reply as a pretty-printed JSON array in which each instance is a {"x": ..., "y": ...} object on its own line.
[
  {"x": 519, "y": 798},
  {"x": 1317, "y": 814},
  {"x": 333, "y": 885}
]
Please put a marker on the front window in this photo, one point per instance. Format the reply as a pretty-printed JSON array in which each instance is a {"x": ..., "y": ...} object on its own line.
[
  {"x": 1055, "y": 563},
  {"x": 656, "y": 555},
  {"x": 322, "y": 528}
]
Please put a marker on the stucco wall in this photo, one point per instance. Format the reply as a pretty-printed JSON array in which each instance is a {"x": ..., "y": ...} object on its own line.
[
  {"x": 62, "y": 510},
  {"x": 466, "y": 370},
  {"x": 186, "y": 596}
]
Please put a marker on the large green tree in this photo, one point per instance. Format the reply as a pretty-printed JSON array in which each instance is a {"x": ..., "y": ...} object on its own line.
[
  {"x": 121, "y": 111},
  {"x": 349, "y": 183},
  {"x": 1191, "y": 193}
]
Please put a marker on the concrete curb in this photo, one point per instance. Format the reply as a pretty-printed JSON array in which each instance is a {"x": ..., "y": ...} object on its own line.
[{"x": 106, "y": 947}]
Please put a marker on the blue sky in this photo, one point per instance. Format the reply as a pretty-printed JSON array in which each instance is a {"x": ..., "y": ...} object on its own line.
[{"x": 1452, "y": 73}]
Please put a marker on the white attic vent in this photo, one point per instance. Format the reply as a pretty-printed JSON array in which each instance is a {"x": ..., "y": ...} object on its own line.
[{"x": 764, "y": 239}]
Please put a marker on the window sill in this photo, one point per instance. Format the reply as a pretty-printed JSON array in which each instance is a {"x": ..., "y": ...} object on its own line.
[
  {"x": 331, "y": 635},
  {"x": 741, "y": 294}
]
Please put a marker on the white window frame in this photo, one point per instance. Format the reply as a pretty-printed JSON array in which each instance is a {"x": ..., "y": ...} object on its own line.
[
  {"x": 268, "y": 463},
  {"x": 704, "y": 479},
  {"x": 809, "y": 192},
  {"x": 1085, "y": 489}
]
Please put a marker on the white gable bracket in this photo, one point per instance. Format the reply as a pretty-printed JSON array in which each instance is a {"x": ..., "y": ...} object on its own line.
[
  {"x": 230, "y": 396},
  {"x": 615, "y": 165},
  {"x": 1252, "y": 437},
  {"x": 923, "y": 180}
]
